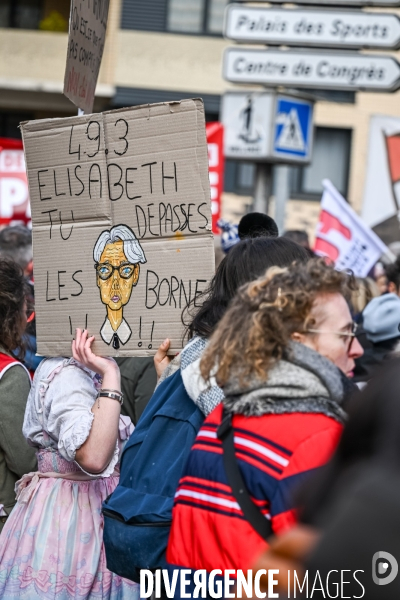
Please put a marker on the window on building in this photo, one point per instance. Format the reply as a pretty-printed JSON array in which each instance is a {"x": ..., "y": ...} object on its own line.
[
  {"x": 239, "y": 177},
  {"x": 185, "y": 15},
  {"x": 177, "y": 16},
  {"x": 330, "y": 160},
  {"x": 21, "y": 14},
  {"x": 196, "y": 16}
]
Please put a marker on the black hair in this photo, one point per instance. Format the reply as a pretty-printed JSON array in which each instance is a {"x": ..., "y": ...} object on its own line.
[
  {"x": 393, "y": 273},
  {"x": 257, "y": 224},
  {"x": 247, "y": 260},
  {"x": 372, "y": 433},
  {"x": 300, "y": 236},
  {"x": 13, "y": 293},
  {"x": 16, "y": 244}
]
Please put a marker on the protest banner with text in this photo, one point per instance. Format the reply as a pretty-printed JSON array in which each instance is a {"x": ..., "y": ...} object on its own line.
[
  {"x": 87, "y": 32},
  {"x": 121, "y": 225}
]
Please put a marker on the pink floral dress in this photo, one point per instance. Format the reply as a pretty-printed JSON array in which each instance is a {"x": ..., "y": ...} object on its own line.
[{"x": 52, "y": 544}]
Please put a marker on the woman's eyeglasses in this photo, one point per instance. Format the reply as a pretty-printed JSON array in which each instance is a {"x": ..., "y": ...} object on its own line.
[{"x": 348, "y": 334}]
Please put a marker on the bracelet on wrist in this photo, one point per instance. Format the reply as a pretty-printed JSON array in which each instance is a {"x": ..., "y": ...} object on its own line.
[{"x": 113, "y": 394}]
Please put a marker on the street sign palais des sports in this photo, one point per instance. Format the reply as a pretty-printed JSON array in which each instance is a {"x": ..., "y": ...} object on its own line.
[{"x": 311, "y": 27}]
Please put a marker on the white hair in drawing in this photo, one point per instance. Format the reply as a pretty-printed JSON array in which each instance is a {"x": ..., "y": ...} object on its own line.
[{"x": 132, "y": 249}]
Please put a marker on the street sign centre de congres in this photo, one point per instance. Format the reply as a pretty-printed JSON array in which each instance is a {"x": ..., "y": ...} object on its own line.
[
  {"x": 323, "y": 28},
  {"x": 308, "y": 69}
]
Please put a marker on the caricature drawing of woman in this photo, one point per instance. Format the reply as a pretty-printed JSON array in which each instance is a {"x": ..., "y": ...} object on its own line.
[{"x": 117, "y": 255}]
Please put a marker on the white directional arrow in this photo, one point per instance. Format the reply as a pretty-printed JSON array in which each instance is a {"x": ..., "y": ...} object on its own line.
[
  {"x": 305, "y": 27},
  {"x": 312, "y": 69}
]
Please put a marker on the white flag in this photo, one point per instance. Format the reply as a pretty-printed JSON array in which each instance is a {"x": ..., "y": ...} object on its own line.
[{"x": 344, "y": 237}]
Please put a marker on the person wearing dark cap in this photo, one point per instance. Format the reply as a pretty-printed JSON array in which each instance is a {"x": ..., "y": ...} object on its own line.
[
  {"x": 381, "y": 324},
  {"x": 257, "y": 224},
  {"x": 252, "y": 225}
]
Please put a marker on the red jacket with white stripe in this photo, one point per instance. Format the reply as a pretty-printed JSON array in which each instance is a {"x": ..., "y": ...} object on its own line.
[
  {"x": 6, "y": 362},
  {"x": 275, "y": 452}
]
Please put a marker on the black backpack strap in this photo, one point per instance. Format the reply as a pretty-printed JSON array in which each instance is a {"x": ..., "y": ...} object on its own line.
[{"x": 252, "y": 513}]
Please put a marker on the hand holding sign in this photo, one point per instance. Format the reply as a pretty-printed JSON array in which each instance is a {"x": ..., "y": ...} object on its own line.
[{"x": 82, "y": 352}]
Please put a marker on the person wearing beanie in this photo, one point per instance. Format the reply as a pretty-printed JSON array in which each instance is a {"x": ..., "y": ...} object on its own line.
[
  {"x": 252, "y": 225},
  {"x": 257, "y": 224},
  {"x": 381, "y": 324}
]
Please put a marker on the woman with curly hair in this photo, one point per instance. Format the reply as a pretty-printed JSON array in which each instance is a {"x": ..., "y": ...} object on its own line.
[
  {"x": 16, "y": 457},
  {"x": 283, "y": 354}
]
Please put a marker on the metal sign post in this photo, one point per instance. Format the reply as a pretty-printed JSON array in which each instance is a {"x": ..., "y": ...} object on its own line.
[
  {"x": 308, "y": 69},
  {"x": 311, "y": 27},
  {"x": 282, "y": 192},
  {"x": 263, "y": 187}
]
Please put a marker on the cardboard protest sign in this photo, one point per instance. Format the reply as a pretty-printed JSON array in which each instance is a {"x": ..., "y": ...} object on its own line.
[
  {"x": 121, "y": 225},
  {"x": 87, "y": 32}
]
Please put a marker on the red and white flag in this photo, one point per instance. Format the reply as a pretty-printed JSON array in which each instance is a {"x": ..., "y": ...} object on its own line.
[
  {"x": 344, "y": 237},
  {"x": 393, "y": 153}
]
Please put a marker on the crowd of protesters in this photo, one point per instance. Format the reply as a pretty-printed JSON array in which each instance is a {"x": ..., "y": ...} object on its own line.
[{"x": 271, "y": 441}]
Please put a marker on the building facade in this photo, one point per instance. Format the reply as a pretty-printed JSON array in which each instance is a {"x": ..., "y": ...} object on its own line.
[{"x": 161, "y": 50}]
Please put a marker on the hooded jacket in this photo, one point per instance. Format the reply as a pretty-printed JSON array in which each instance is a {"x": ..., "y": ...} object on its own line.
[
  {"x": 285, "y": 427},
  {"x": 16, "y": 457}
]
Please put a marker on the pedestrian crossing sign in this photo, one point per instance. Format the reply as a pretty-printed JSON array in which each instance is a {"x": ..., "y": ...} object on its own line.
[{"x": 293, "y": 129}]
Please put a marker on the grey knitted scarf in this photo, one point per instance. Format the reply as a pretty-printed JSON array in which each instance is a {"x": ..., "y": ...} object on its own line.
[
  {"x": 205, "y": 396},
  {"x": 303, "y": 381}
]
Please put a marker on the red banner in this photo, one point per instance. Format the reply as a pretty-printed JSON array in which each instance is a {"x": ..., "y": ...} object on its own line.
[
  {"x": 215, "y": 139},
  {"x": 14, "y": 194}
]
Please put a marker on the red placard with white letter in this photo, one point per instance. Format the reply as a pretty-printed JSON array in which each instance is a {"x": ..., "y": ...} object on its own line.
[
  {"x": 14, "y": 194},
  {"x": 215, "y": 140}
]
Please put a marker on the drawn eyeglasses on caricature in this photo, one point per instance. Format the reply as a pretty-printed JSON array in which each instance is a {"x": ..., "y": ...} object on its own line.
[
  {"x": 117, "y": 255},
  {"x": 104, "y": 270}
]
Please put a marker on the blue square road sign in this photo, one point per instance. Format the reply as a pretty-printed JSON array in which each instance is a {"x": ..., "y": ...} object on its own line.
[{"x": 292, "y": 129}]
